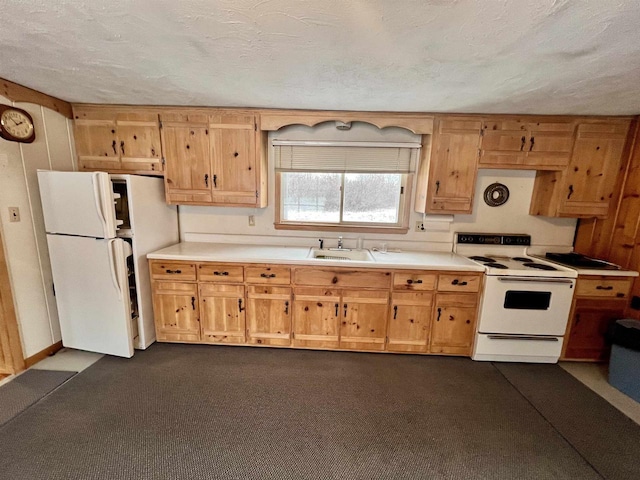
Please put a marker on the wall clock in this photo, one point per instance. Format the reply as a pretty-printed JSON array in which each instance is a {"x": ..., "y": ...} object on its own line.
[{"x": 16, "y": 125}]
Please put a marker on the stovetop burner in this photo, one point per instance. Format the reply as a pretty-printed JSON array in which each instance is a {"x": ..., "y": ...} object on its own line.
[
  {"x": 479, "y": 258},
  {"x": 522, "y": 259},
  {"x": 495, "y": 265},
  {"x": 539, "y": 266}
]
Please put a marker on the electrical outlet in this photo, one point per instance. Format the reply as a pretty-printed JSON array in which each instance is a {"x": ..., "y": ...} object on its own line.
[
  {"x": 14, "y": 214},
  {"x": 252, "y": 220},
  {"x": 420, "y": 226}
]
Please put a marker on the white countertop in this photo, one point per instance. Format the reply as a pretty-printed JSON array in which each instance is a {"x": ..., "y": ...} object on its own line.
[
  {"x": 592, "y": 271},
  {"x": 221, "y": 252}
]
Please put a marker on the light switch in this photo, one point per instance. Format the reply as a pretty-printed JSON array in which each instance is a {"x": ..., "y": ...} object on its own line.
[
  {"x": 14, "y": 214},
  {"x": 252, "y": 220}
]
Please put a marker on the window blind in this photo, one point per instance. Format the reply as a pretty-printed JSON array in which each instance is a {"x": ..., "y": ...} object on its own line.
[{"x": 346, "y": 157}]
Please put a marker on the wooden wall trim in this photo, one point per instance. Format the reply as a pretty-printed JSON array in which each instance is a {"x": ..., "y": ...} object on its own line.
[
  {"x": 18, "y": 93},
  {"x": 42, "y": 354},
  {"x": 9, "y": 331}
]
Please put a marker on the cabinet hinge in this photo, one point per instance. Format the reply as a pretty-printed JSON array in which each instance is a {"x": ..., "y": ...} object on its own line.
[
  {"x": 255, "y": 127},
  {"x": 160, "y": 123},
  {"x": 53, "y": 287},
  {"x": 401, "y": 190},
  {"x": 163, "y": 161},
  {"x": 481, "y": 132},
  {"x": 293, "y": 335},
  {"x": 257, "y": 194}
]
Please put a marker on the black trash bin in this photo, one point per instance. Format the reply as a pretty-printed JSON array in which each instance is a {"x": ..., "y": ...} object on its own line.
[{"x": 624, "y": 366}]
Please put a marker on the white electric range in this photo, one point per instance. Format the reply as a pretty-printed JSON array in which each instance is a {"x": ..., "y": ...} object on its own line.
[{"x": 525, "y": 302}]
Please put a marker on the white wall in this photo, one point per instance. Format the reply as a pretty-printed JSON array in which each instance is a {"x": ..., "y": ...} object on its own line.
[
  {"x": 220, "y": 224},
  {"x": 25, "y": 241}
]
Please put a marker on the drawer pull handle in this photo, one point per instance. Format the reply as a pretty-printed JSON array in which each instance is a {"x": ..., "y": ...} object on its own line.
[
  {"x": 206, "y": 180},
  {"x": 395, "y": 312},
  {"x": 439, "y": 314},
  {"x": 522, "y": 142},
  {"x": 409, "y": 282},
  {"x": 193, "y": 303},
  {"x": 240, "y": 309},
  {"x": 458, "y": 282},
  {"x": 345, "y": 310},
  {"x": 173, "y": 271},
  {"x": 221, "y": 273},
  {"x": 286, "y": 308},
  {"x": 268, "y": 275},
  {"x": 337, "y": 306},
  {"x": 600, "y": 287}
]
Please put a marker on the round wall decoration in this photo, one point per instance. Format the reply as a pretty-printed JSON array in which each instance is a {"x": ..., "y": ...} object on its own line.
[{"x": 496, "y": 194}]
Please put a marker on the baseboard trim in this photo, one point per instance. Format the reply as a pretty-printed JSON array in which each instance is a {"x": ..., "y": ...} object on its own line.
[{"x": 41, "y": 355}]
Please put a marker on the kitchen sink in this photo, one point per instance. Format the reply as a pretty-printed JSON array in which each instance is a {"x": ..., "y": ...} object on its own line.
[{"x": 346, "y": 255}]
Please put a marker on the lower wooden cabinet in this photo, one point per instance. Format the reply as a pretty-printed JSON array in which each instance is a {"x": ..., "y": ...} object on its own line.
[
  {"x": 222, "y": 313},
  {"x": 328, "y": 308},
  {"x": 409, "y": 322},
  {"x": 454, "y": 323},
  {"x": 364, "y": 319},
  {"x": 176, "y": 312},
  {"x": 269, "y": 315},
  {"x": 599, "y": 301}
]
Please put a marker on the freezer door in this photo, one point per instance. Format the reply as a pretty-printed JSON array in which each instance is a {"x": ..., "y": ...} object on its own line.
[
  {"x": 91, "y": 287},
  {"x": 78, "y": 203}
]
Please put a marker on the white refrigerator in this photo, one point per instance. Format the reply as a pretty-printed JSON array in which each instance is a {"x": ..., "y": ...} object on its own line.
[{"x": 100, "y": 228}]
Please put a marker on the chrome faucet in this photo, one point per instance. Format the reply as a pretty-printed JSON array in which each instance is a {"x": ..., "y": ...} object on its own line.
[{"x": 340, "y": 242}]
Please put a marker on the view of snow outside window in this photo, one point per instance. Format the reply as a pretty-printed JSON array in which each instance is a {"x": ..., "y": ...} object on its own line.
[{"x": 315, "y": 197}]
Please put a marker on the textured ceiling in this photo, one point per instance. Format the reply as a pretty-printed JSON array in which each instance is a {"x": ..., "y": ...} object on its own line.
[{"x": 519, "y": 56}]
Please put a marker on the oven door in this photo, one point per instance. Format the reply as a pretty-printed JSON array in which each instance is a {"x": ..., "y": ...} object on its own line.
[{"x": 526, "y": 305}]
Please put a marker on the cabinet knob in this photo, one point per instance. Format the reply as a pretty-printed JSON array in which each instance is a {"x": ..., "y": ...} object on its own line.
[{"x": 334, "y": 280}]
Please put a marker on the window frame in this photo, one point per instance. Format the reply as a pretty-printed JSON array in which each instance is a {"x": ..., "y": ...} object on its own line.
[{"x": 402, "y": 226}]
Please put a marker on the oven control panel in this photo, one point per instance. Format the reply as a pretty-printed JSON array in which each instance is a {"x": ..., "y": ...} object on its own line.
[{"x": 493, "y": 239}]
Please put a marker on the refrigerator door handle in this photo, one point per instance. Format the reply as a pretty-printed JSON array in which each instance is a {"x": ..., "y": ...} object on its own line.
[
  {"x": 113, "y": 268},
  {"x": 97, "y": 195}
]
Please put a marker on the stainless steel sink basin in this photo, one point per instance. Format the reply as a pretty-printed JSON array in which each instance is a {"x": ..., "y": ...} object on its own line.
[{"x": 344, "y": 255}]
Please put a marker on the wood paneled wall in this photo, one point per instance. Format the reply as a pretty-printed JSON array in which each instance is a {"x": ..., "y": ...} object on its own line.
[{"x": 617, "y": 238}]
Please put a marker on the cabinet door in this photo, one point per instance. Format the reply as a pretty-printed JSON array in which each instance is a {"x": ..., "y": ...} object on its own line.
[
  {"x": 588, "y": 326},
  {"x": 96, "y": 140},
  {"x": 453, "y": 165},
  {"x": 453, "y": 325},
  {"x": 233, "y": 155},
  {"x": 222, "y": 316},
  {"x": 268, "y": 315},
  {"x": 188, "y": 168},
  {"x": 364, "y": 319},
  {"x": 409, "y": 322},
  {"x": 175, "y": 308},
  {"x": 316, "y": 316},
  {"x": 595, "y": 163},
  {"x": 139, "y": 142},
  {"x": 504, "y": 143},
  {"x": 549, "y": 144}
]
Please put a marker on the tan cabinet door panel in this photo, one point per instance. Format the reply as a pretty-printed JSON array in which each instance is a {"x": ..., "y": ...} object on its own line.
[
  {"x": 176, "y": 311},
  {"x": 453, "y": 167},
  {"x": 342, "y": 277},
  {"x": 316, "y": 316},
  {"x": 409, "y": 322},
  {"x": 364, "y": 319},
  {"x": 139, "y": 141},
  {"x": 97, "y": 140},
  {"x": 222, "y": 316},
  {"x": 269, "y": 315},
  {"x": 188, "y": 169},
  {"x": 453, "y": 325}
]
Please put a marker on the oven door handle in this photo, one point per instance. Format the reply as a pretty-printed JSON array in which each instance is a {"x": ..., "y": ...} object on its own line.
[
  {"x": 565, "y": 281},
  {"x": 539, "y": 338}
]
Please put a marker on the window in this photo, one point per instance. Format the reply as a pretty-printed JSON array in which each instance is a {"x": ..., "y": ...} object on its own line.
[{"x": 343, "y": 187}]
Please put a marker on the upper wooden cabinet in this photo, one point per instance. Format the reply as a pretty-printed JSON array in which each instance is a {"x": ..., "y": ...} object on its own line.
[
  {"x": 452, "y": 166},
  {"x": 584, "y": 188},
  {"x": 214, "y": 158},
  {"x": 526, "y": 143},
  {"x": 117, "y": 141}
]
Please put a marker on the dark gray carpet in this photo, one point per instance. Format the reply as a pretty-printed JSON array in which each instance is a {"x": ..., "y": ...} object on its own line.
[
  {"x": 26, "y": 389},
  {"x": 186, "y": 411},
  {"x": 598, "y": 431}
]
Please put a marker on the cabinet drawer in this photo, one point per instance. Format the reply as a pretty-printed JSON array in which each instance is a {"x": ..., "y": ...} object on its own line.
[
  {"x": 342, "y": 278},
  {"x": 603, "y": 287},
  {"x": 414, "y": 281},
  {"x": 268, "y": 275},
  {"x": 173, "y": 270},
  {"x": 215, "y": 272},
  {"x": 456, "y": 300},
  {"x": 458, "y": 283}
]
